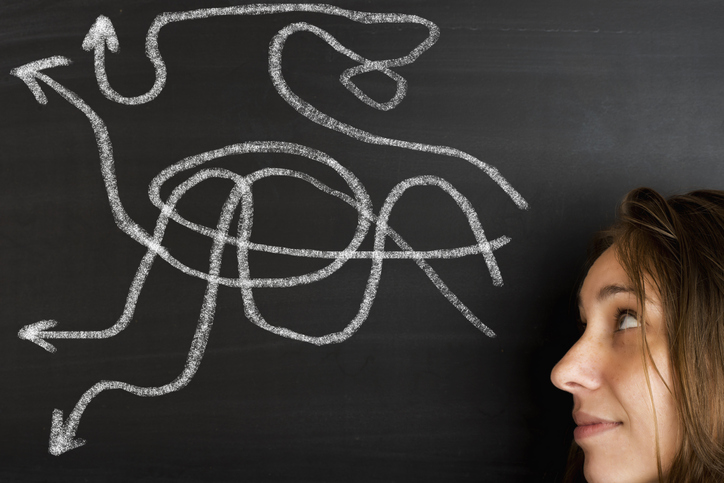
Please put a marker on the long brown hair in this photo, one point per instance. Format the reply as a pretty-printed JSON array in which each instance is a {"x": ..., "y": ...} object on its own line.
[{"x": 677, "y": 244}]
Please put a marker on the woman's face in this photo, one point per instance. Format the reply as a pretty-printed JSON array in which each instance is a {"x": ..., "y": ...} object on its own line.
[{"x": 605, "y": 374}]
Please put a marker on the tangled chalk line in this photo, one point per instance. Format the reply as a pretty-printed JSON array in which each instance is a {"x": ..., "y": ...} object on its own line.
[{"x": 101, "y": 36}]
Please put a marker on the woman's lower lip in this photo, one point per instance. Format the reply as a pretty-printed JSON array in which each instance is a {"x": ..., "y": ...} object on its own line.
[{"x": 591, "y": 429}]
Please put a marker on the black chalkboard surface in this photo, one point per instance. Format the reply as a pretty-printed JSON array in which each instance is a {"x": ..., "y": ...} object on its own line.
[{"x": 321, "y": 243}]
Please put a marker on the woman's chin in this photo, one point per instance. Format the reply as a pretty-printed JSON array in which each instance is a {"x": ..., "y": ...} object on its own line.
[{"x": 602, "y": 470}]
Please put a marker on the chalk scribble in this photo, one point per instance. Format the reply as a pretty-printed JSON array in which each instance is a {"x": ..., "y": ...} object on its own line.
[{"x": 101, "y": 36}]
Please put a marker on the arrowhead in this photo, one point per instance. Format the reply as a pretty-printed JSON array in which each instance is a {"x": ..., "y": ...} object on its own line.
[
  {"x": 30, "y": 72},
  {"x": 34, "y": 333},
  {"x": 100, "y": 35},
  {"x": 62, "y": 436}
]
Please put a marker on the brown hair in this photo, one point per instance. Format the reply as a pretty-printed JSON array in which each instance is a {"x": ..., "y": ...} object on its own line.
[{"x": 678, "y": 245}]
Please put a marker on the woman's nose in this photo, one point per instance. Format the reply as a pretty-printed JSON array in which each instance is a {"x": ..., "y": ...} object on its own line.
[{"x": 580, "y": 368}]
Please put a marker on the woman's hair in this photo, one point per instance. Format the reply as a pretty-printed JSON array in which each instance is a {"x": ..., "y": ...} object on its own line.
[{"x": 677, "y": 245}]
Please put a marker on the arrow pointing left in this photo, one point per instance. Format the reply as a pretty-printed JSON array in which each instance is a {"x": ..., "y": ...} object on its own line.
[
  {"x": 30, "y": 73},
  {"x": 36, "y": 333}
]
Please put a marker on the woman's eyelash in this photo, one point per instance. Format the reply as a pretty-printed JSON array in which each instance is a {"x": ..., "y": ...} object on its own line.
[{"x": 621, "y": 316}]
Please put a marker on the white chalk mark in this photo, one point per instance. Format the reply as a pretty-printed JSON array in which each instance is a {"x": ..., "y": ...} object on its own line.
[
  {"x": 30, "y": 73},
  {"x": 37, "y": 333},
  {"x": 101, "y": 36},
  {"x": 252, "y": 311},
  {"x": 247, "y": 282},
  {"x": 307, "y": 110},
  {"x": 62, "y": 434},
  {"x": 446, "y": 253},
  {"x": 62, "y": 437}
]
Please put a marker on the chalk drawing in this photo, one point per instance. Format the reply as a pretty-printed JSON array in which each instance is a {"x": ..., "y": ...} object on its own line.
[{"x": 101, "y": 36}]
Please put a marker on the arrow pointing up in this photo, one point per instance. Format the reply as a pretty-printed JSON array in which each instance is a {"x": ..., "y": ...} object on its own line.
[
  {"x": 101, "y": 35},
  {"x": 30, "y": 73}
]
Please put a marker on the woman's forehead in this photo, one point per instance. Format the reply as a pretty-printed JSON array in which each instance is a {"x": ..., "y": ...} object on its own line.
[{"x": 605, "y": 278}]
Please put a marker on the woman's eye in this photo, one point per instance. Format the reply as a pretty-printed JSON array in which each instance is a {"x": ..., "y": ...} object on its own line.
[{"x": 627, "y": 321}]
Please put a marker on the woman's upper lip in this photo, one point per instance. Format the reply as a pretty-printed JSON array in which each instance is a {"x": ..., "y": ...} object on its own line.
[{"x": 585, "y": 419}]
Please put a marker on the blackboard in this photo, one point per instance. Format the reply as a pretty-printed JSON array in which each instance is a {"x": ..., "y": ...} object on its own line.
[{"x": 308, "y": 243}]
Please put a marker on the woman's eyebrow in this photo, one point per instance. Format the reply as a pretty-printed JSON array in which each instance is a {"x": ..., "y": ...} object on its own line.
[
  {"x": 611, "y": 290},
  {"x": 608, "y": 291}
]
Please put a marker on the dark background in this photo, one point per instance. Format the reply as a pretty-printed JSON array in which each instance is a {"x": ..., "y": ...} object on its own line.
[{"x": 575, "y": 102}]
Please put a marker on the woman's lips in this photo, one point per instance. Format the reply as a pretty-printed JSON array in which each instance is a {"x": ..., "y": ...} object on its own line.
[
  {"x": 590, "y": 425},
  {"x": 591, "y": 429}
]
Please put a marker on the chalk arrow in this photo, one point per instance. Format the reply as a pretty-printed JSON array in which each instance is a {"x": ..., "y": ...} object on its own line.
[
  {"x": 30, "y": 73},
  {"x": 101, "y": 35},
  {"x": 62, "y": 434},
  {"x": 35, "y": 333},
  {"x": 38, "y": 332}
]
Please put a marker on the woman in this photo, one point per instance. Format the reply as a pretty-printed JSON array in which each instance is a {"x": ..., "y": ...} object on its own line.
[{"x": 647, "y": 374}]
